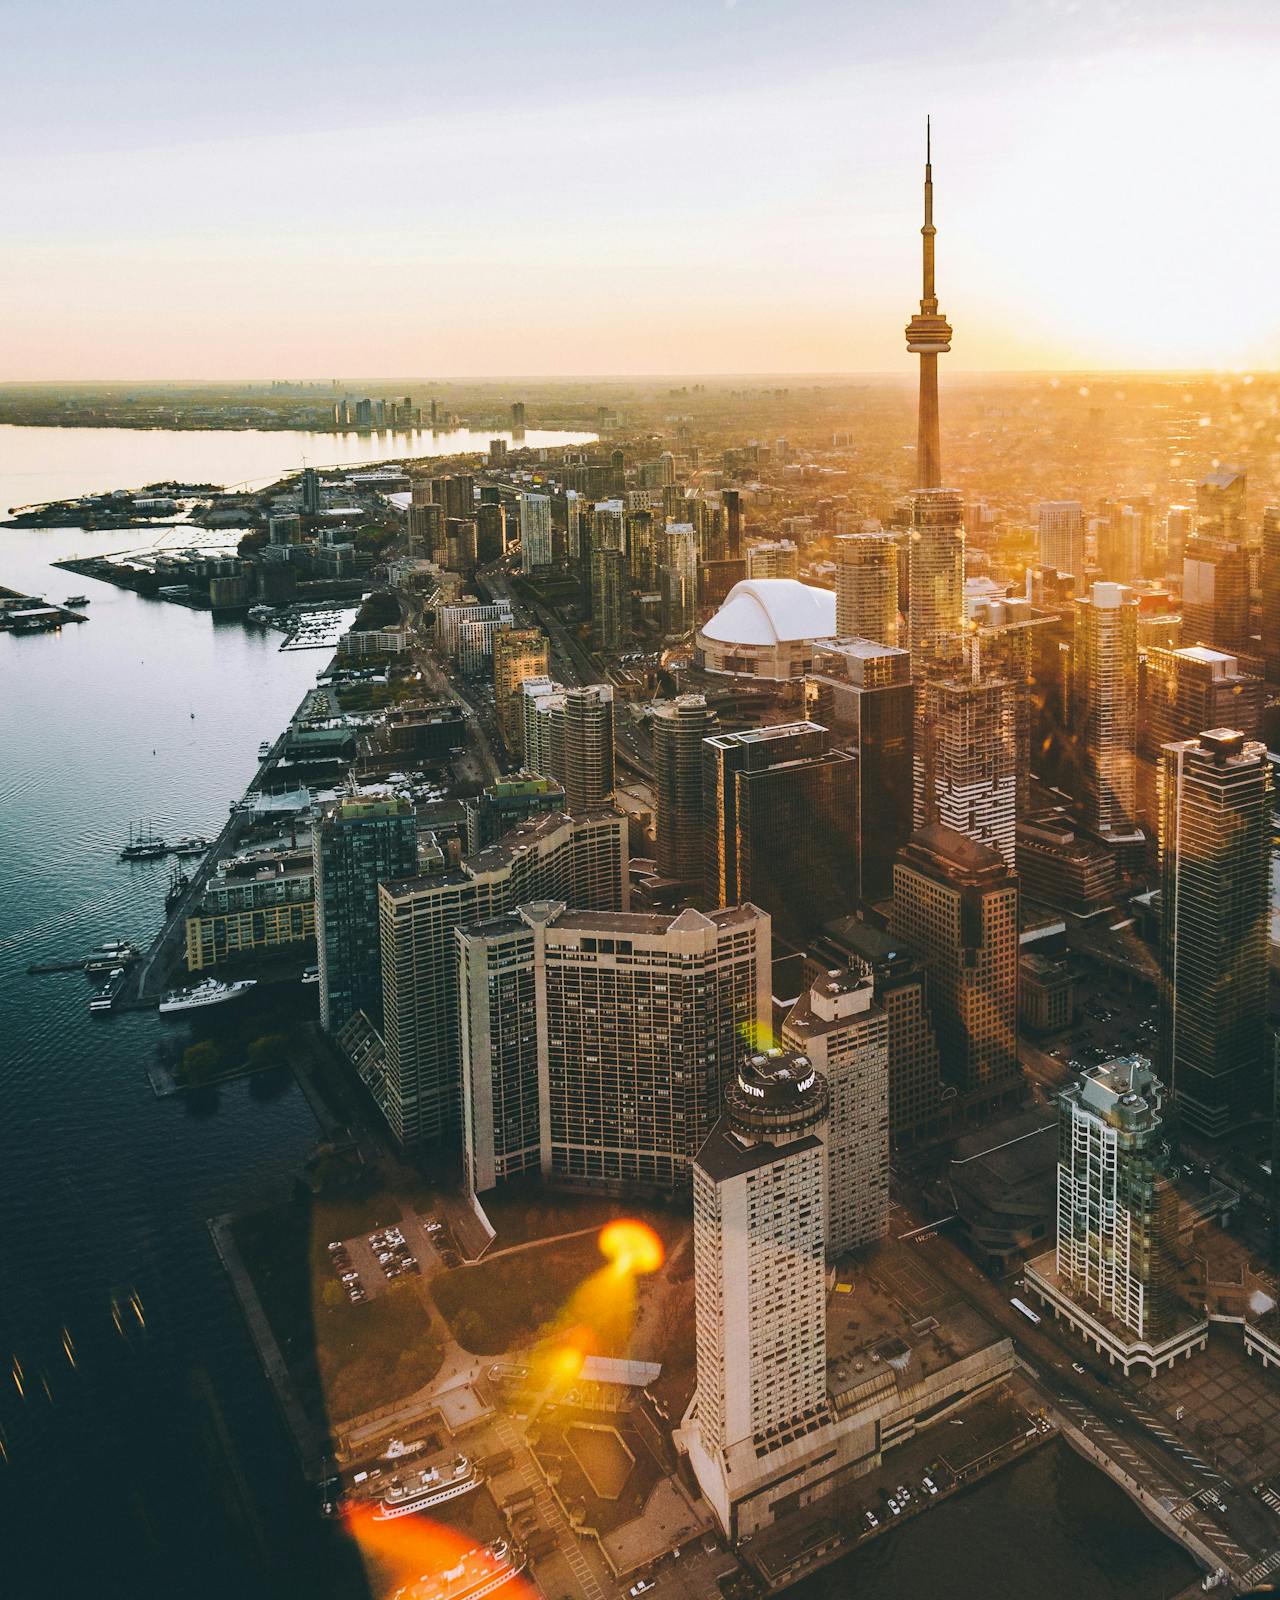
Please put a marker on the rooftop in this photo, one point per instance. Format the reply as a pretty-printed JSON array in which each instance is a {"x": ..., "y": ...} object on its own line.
[{"x": 768, "y": 611}]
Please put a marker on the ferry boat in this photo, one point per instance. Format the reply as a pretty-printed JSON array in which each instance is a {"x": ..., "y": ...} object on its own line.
[
  {"x": 103, "y": 999},
  {"x": 76, "y": 600},
  {"x": 191, "y": 844},
  {"x": 416, "y": 1491},
  {"x": 143, "y": 845},
  {"x": 208, "y": 993},
  {"x": 110, "y": 954},
  {"x": 481, "y": 1571}
]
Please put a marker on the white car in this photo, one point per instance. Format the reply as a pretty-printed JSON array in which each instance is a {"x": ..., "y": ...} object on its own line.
[
  {"x": 895, "y": 1508},
  {"x": 873, "y": 1521},
  {"x": 642, "y": 1586}
]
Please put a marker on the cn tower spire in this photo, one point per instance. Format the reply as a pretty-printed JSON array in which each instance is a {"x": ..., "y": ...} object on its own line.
[{"x": 928, "y": 336}]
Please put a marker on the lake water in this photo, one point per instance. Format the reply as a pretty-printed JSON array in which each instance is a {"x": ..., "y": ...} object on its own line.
[
  {"x": 39, "y": 464},
  {"x": 151, "y": 1463}
]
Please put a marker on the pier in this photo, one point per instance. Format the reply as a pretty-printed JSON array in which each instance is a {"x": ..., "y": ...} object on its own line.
[{"x": 150, "y": 977}]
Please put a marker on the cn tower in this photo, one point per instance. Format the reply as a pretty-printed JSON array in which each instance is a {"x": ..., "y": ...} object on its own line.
[{"x": 928, "y": 336}]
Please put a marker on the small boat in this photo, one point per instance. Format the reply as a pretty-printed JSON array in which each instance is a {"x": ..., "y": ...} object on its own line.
[
  {"x": 191, "y": 844},
  {"x": 102, "y": 1000},
  {"x": 265, "y": 749},
  {"x": 144, "y": 845},
  {"x": 75, "y": 600},
  {"x": 110, "y": 954},
  {"x": 208, "y": 993}
]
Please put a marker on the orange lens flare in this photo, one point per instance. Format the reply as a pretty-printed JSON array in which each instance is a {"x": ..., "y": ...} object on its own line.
[
  {"x": 413, "y": 1551},
  {"x": 632, "y": 1247}
]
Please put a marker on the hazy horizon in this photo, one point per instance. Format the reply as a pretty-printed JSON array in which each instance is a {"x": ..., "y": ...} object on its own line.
[
  {"x": 907, "y": 379},
  {"x": 729, "y": 188}
]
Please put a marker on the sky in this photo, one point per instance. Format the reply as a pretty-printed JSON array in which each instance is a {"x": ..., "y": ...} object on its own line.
[{"x": 257, "y": 189}]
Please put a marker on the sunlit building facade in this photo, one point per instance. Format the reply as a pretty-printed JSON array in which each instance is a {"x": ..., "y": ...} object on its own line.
[
  {"x": 1215, "y": 883},
  {"x": 596, "y": 1045}
]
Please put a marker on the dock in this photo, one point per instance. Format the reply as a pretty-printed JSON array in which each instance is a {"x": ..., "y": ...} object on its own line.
[{"x": 32, "y": 613}]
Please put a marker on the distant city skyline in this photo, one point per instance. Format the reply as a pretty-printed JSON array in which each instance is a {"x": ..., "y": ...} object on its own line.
[{"x": 732, "y": 189}]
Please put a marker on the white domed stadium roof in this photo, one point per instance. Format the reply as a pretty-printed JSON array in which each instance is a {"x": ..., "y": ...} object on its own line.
[{"x": 767, "y": 611}]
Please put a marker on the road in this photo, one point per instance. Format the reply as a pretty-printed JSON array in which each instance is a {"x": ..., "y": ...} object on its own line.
[
  {"x": 1140, "y": 1444},
  {"x": 570, "y": 663}
]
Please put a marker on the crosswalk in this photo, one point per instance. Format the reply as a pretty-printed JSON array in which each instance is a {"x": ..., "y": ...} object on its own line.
[
  {"x": 1174, "y": 1443},
  {"x": 1262, "y": 1569},
  {"x": 550, "y": 1512},
  {"x": 1190, "y": 1511},
  {"x": 1269, "y": 1498}
]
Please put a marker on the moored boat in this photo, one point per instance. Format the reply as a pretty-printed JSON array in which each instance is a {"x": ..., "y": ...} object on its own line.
[
  {"x": 144, "y": 845},
  {"x": 105, "y": 998},
  {"x": 479, "y": 1572},
  {"x": 415, "y": 1491},
  {"x": 207, "y": 993}
]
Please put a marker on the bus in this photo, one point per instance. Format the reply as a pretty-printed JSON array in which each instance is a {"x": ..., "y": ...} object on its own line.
[{"x": 1026, "y": 1310}]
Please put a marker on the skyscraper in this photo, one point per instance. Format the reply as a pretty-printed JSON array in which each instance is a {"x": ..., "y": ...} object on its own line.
[
  {"x": 596, "y": 1045},
  {"x": 966, "y": 757},
  {"x": 679, "y": 580},
  {"x": 867, "y": 587},
  {"x": 1183, "y": 691},
  {"x": 732, "y": 501},
  {"x": 1271, "y": 592},
  {"x": 491, "y": 531},
  {"x": 358, "y": 844},
  {"x": 679, "y": 726},
  {"x": 1220, "y": 502},
  {"x": 1215, "y": 592},
  {"x": 773, "y": 558},
  {"x": 935, "y": 619},
  {"x": 1114, "y": 1274},
  {"x": 839, "y": 1026},
  {"x": 518, "y": 653},
  {"x": 1215, "y": 868},
  {"x": 955, "y": 904},
  {"x": 610, "y": 598},
  {"x": 1062, "y": 538},
  {"x": 863, "y": 693},
  {"x": 920, "y": 1105},
  {"x": 568, "y": 735},
  {"x": 760, "y": 1275},
  {"x": 535, "y": 531},
  {"x": 417, "y": 1084},
  {"x": 1117, "y": 1207},
  {"x": 1104, "y": 706},
  {"x": 780, "y": 816}
]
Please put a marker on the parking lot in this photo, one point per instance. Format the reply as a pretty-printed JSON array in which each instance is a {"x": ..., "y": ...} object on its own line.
[{"x": 365, "y": 1266}]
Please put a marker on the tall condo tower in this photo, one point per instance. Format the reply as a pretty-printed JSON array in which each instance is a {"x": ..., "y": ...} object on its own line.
[
  {"x": 1215, "y": 870},
  {"x": 928, "y": 336}
]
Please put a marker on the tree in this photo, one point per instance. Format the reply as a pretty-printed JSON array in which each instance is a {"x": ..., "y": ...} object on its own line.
[
  {"x": 200, "y": 1061},
  {"x": 271, "y": 1050}
]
